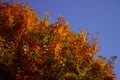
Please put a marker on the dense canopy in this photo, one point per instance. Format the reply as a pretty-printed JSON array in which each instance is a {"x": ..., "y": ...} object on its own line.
[{"x": 34, "y": 49}]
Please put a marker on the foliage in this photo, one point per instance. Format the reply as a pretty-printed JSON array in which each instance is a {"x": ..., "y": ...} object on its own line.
[{"x": 34, "y": 49}]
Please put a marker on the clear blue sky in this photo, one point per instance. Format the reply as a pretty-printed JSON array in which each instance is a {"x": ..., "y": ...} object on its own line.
[{"x": 94, "y": 15}]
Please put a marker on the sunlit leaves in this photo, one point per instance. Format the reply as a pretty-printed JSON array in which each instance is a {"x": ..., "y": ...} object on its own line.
[{"x": 34, "y": 49}]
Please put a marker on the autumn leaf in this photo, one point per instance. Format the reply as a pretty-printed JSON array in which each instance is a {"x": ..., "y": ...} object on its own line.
[{"x": 36, "y": 49}]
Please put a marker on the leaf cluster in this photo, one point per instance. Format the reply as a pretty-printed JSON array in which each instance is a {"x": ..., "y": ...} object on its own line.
[{"x": 34, "y": 49}]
